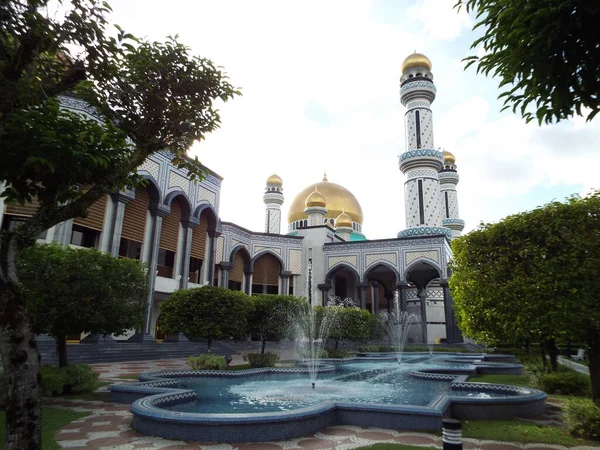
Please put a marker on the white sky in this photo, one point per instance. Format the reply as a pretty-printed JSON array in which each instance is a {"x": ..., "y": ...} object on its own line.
[{"x": 320, "y": 83}]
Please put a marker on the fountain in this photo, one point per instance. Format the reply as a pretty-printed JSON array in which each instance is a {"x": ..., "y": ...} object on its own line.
[
  {"x": 398, "y": 323},
  {"x": 430, "y": 346}
]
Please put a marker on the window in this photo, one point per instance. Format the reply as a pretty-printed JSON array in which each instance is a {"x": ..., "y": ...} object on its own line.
[
  {"x": 418, "y": 127},
  {"x": 421, "y": 212},
  {"x": 84, "y": 237},
  {"x": 447, "y": 208},
  {"x": 11, "y": 222},
  {"x": 166, "y": 263},
  {"x": 195, "y": 270},
  {"x": 235, "y": 285},
  {"x": 130, "y": 249},
  {"x": 273, "y": 290},
  {"x": 305, "y": 223}
]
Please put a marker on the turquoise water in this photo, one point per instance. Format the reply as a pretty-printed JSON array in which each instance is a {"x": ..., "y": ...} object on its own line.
[{"x": 365, "y": 382}]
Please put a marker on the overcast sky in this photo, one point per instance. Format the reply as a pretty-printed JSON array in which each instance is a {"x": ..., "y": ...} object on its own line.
[{"x": 320, "y": 83}]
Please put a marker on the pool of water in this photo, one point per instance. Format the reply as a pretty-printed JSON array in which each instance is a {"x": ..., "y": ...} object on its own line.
[{"x": 366, "y": 382}]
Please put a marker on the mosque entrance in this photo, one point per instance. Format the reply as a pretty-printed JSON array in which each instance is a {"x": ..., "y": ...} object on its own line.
[
  {"x": 265, "y": 279},
  {"x": 421, "y": 276},
  {"x": 342, "y": 282},
  {"x": 381, "y": 283}
]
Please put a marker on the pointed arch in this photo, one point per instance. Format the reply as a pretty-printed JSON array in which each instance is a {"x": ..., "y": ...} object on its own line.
[
  {"x": 211, "y": 216},
  {"x": 184, "y": 201},
  {"x": 378, "y": 264}
]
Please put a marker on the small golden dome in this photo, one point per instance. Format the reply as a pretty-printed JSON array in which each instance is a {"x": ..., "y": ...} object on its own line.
[
  {"x": 275, "y": 180},
  {"x": 416, "y": 60},
  {"x": 316, "y": 199},
  {"x": 343, "y": 220},
  {"x": 339, "y": 199},
  {"x": 449, "y": 158}
]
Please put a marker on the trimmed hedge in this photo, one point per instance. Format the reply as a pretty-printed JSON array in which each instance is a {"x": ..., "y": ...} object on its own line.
[
  {"x": 306, "y": 354},
  {"x": 582, "y": 417},
  {"x": 206, "y": 361},
  {"x": 338, "y": 353},
  {"x": 266, "y": 359},
  {"x": 76, "y": 378}
]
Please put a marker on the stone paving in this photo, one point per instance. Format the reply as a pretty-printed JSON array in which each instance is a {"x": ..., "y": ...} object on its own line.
[{"x": 108, "y": 426}]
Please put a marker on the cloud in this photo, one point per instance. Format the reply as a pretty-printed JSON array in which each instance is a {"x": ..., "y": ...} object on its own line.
[{"x": 439, "y": 19}]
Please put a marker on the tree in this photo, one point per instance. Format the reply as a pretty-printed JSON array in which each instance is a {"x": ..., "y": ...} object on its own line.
[
  {"x": 149, "y": 97},
  {"x": 72, "y": 291},
  {"x": 269, "y": 316},
  {"x": 534, "y": 275},
  {"x": 546, "y": 54},
  {"x": 352, "y": 324},
  {"x": 207, "y": 312}
]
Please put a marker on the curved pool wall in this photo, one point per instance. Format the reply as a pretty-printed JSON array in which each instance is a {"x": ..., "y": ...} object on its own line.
[{"x": 158, "y": 389}]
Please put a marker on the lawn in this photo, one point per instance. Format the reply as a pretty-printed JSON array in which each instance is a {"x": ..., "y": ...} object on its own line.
[
  {"x": 511, "y": 380},
  {"x": 52, "y": 420},
  {"x": 393, "y": 447}
]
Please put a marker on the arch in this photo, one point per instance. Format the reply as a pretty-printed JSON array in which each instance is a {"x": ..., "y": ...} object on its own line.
[
  {"x": 422, "y": 271},
  {"x": 152, "y": 188},
  {"x": 186, "y": 206},
  {"x": 211, "y": 216},
  {"x": 266, "y": 273},
  {"x": 262, "y": 253},
  {"x": 338, "y": 267},
  {"x": 385, "y": 264},
  {"x": 240, "y": 248},
  {"x": 239, "y": 270}
]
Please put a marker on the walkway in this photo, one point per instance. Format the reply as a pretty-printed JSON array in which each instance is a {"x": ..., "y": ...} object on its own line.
[
  {"x": 108, "y": 427},
  {"x": 574, "y": 365}
]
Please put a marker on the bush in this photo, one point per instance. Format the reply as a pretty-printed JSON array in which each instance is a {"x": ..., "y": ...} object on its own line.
[
  {"x": 338, "y": 353},
  {"x": 266, "y": 359},
  {"x": 306, "y": 354},
  {"x": 376, "y": 348},
  {"x": 54, "y": 380},
  {"x": 80, "y": 378},
  {"x": 564, "y": 382},
  {"x": 582, "y": 417},
  {"x": 207, "y": 361}
]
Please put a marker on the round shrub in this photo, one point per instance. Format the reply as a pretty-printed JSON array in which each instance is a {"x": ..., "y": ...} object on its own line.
[
  {"x": 582, "y": 417},
  {"x": 266, "y": 359},
  {"x": 54, "y": 381},
  {"x": 206, "y": 361},
  {"x": 80, "y": 378}
]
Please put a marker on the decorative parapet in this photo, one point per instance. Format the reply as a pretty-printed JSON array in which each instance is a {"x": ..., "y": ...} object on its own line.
[
  {"x": 421, "y": 157},
  {"x": 425, "y": 231}
]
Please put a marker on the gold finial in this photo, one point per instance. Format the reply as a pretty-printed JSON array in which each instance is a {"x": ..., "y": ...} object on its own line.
[{"x": 325, "y": 176}]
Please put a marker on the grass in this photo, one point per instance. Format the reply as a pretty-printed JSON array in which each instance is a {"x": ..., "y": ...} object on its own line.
[
  {"x": 130, "y": 376},
  {"x": 52, "y": 420},
  {"x": 519, "y": 431},
  {"x": 239, "y": 367}
]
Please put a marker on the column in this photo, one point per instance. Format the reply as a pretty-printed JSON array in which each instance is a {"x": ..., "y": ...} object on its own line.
[
  {"x": 285, "y": 281},
  {"x": 325, "y": 288},
  {"x": 422, "y": 294},
  {"x": 157, "y": 214},
  {"x": 211, "y": 257},
  {"x": 226, "y": 266},
  {"x": 1, "y": 203},
  {"x": 362, "y": 292},
  {"x": 452, "y": 332},
  {"x": 402, "y": 287},
  {"x": 188, "y": 231},
  {"x": 116, "y": 223},
  {"x": 248, "y": 282}
]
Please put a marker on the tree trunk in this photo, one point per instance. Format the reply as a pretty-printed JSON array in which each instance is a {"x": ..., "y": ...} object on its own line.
[
  {"x": 543, "y": 355},
  {"x": 594, "y": 362},
  {"x": 20, "y": 357},
  {"x": 264, "y": 344},
  {"x": 553, "y": 353},
  {"x": 528, "y": 347},
  {"x": 61, "y": 347}
]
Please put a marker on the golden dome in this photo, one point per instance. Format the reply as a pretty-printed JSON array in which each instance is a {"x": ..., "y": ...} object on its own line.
[
  {"x": 275, "y": 180},
  {"x": 416, "y": 60},
  {"x": 343, "y": 220},
  {"x": 316, "y": 199},
  {"x": 449, "y": 158},
  {"x": 339, "y": 199}
]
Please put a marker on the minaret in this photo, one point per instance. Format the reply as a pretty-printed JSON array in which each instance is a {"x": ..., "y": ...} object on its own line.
[
  {"x": 316, "y": 208},
  {"x": 273, "y": 199},
  {"x": 448, "y": 177},
  {"x": 343, "y": 226},
  {"x": 421, "y": 162}
]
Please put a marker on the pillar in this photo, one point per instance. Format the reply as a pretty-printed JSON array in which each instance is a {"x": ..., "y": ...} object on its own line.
[
  {"x": 226, "y": 266},
  {"x": 157, "y": 213},
  {"x": 1, "y": 203},
  {"x": 422, "y": 293},
  {"x": 285, "y": 281},
  {"x": 362, "y": 294},
  {"x": 248, "y": 282},
  {"x": 188, "y": 231},
  {"x": 324, "y": 288},
  {"x": 402, "y": 287},
  {"x": 452, "y": 331},
  {"x": 116, "y": 223},
  {"x": 211, "y": 257}
]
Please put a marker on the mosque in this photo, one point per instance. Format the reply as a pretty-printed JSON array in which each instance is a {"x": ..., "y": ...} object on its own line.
[{"x": 173, "y": 225}]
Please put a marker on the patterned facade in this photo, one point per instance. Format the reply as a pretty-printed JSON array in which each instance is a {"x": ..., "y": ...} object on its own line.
[{"x": 173, "y": 225}]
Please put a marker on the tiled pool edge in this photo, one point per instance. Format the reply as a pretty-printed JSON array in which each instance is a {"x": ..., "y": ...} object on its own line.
[{"x": 260, "y": 427}]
